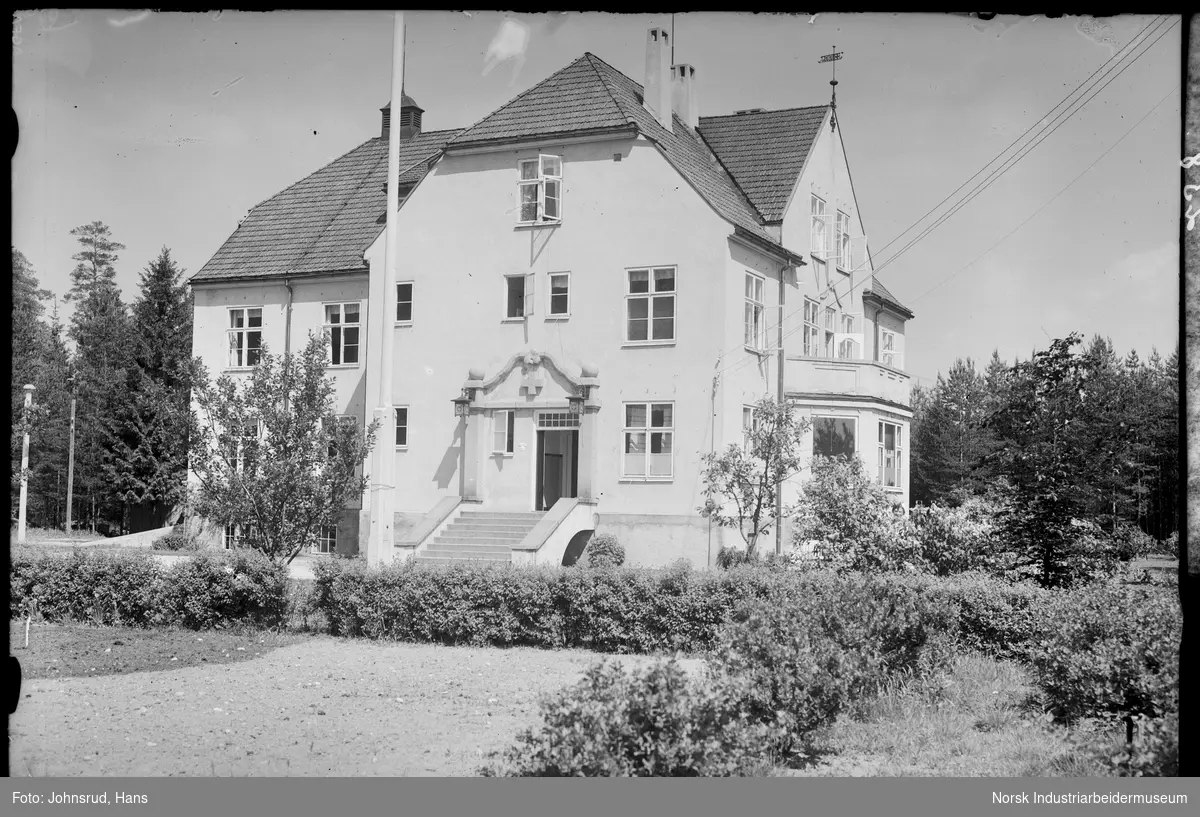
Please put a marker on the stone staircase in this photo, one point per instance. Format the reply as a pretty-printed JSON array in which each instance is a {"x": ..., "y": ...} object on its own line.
[{"x": 483, "y": 536}]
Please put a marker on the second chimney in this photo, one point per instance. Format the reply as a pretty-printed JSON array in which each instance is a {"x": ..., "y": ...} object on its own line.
[
  {"x": 683, "y": 95},
  {"x": 657, "y": 94}
]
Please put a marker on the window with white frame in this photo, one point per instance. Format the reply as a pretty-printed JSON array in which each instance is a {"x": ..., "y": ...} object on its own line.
[
  {"x": 401, "y": 413},
  {"x": 342, "y": 325},
  {"x": 240, "y": 447},
  {"x": 650, "y": 305},
  {"x": 237, "y": 536},
  {"x": 326, "y": 539},
  {"x": 518, "y": 296},
  {"x": 844, "y": 259},
  {"x": 830, "y": 324},
  {"x": 834, "y": 436},
  {"x": 812, "y": 346},
  {"x": 819, "y": 238},
  {"x": 245, "y": 337},
  {"x": 648, "y": 441},
  {"x": 889, "y": 354},
  {"x": 559, "y": 305},
  {"x": 756, "y": 329},
  {"x": 336, "y": 421},
  {"x": 890, "y": 445},
  {"x": 749, "y": 426},
  {"x": 504, "y": 424},
  {"x": 846, "y": 347},
  {"x": 404, "y": 302},
  {"x": 539, "y": 190}
]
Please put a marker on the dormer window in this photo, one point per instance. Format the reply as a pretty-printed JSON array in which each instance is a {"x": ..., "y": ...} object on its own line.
[{"x": 539, "y": 190}]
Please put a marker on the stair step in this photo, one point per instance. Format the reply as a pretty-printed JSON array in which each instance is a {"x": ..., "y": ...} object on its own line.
[
  {"x": 493, "y": 523},
  {"x": 452, "y": 559},
  {"x": 501, "y": 516},
  {"x": 469, "y": 547},
  {"x": 483, "y": 535}
]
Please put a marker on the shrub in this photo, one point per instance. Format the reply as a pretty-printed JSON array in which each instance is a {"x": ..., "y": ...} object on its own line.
[
  {"x": 221, "y": 589},
  {"x": 1110, "y": 651},
  {"x": 654, "y": 722},
  {"x": 955, "y": 540},
  {"x": 176, "y": 541},
  {"x": 805, "y": 653},
  {"x": 86, "y": 586},
  {"x": 851, "y": 521},
  {"x": 605, "y": 550},
  {"x": 1130, "y": 542},
  {"x": 728, "y": 557}
]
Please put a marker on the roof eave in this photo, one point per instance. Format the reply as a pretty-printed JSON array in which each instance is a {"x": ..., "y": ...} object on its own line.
[
  {"x": 201, "y": 278},
  {"x": 901, "y": 311},
  {"x": 766, "y": 245}
]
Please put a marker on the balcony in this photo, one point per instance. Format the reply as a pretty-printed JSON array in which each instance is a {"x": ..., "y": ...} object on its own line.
[{"x": 850, "y": 379}]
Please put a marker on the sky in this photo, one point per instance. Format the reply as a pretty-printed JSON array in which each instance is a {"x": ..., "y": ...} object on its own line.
[{"x": 169, "y": 127}]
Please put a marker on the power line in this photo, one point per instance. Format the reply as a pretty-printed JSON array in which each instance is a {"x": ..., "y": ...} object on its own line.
[
  {"x": 735, "y": 366},
  {"x": 1115, "y": 57},
  {"x": 1052, "y": 200},
  {"x": 1016, "y": 158}
]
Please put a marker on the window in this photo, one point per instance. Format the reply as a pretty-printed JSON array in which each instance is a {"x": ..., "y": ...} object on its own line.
[
  {"x": 756, "y": 330},
  {"x": 811, "y": 333},
  {"x": 749, "y": 425},
  {"x": 404, "y": 302},
  {"x": 818, "y": 237},
  {"x": 830, "y": 323},
  {"x": 237, "y": 536},
  {"x": 539, "y": 190},
  {"x": 326, "y": 539},
  {"x": 889, "y": 348},
  {"x": 341, "y": 322},
  {"x": 650, "y": 305},
  {"x": 334, "y": 421},
  {"x": 241, "y": 449},
  {"x": 846, "y": 347},
  {"x": 503, "y": 426},
  {"x": 833, "y": 437},
  {"x": 889, "y": 455},
  {"x": 245, "y": 337},
  {"x": 648, "y": 441},
  {"x": 844, "y": 259},
  {"x": 556, "y": 419},
  {"x": 518, "y": 296},
  {"x": 401, "y": 426},
  {"x": 560, "y": 295}
]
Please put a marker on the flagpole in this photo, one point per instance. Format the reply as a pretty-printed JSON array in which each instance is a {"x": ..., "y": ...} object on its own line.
[{"x": 380, "y": 543}]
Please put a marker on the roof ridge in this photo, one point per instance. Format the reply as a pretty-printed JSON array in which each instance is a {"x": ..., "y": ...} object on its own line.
[
  {"x": 370, "y": 171},
  {"x": 428, "y": 133},
  {"x": 519, "y": 97},
  {"x": 590, "y": 57},
  {"x": 766, "y": 110},
  {"x": 303, "y": 179}
]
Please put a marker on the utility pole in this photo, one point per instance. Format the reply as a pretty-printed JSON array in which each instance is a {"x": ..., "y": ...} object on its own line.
[
  {"x": 24, "y": 465},
  {"x": 71, "y": 457}
]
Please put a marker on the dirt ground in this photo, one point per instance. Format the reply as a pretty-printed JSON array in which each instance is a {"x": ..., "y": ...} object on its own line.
[{"x": 323, "y": 707}]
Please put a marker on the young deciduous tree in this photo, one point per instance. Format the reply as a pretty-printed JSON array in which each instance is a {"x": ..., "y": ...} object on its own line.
[
  {"x": 270, "y": 455},
  {"x": 740, "y": 483}
]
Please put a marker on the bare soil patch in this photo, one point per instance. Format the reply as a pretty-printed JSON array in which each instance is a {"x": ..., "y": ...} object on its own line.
[{"x": 318, "y": 707}]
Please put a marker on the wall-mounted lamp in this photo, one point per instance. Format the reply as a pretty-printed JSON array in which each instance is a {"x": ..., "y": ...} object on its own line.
[
  {"x": 462, "y": 404},
  {"x": 575, "y": 405}
]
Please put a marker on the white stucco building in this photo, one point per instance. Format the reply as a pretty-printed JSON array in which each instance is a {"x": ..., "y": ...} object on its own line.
[{"x": 588, "y": 295}]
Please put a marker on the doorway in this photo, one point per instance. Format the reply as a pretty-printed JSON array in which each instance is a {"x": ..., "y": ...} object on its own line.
[{"x": 557, "y": 466}]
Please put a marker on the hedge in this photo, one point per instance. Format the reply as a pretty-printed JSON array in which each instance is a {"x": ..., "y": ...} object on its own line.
[{"x": 205, "y": 591}]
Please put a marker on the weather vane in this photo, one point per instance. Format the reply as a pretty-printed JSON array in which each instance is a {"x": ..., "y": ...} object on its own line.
[{"x": 834, "y": 57}]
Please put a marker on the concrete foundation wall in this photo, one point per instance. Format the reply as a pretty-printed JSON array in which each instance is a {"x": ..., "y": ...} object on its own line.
[{"x": 657, "y": 540}]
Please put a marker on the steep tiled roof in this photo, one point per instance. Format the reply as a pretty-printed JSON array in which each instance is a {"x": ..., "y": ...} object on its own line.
[
  {"x": 326, "y": 221},
  {"x": 764, "y": 151},
  {"x": 589, "y": 94},
  {"x": 881, "y": 292}
]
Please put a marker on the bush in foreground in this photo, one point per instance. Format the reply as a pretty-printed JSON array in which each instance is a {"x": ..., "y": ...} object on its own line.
[
  {"x": 605, "y": 550},
  {"x": 654, "y": 722},
  {"x": 209, "y": 590}
]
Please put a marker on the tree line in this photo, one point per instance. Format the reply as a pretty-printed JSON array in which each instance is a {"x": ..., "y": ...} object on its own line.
[
  {"x": 128, "y": 368},
  {"x": 1074, "y": 434}
]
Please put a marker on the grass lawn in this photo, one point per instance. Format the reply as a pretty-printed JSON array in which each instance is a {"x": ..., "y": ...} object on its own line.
[{"x": 83, "y": 650}]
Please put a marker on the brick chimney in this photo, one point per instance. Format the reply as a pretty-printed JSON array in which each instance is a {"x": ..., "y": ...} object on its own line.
[
  {"x": 683, "y": 94},
  {"x": 410, "y": 118},
  {"x": 657, "y": 96}
]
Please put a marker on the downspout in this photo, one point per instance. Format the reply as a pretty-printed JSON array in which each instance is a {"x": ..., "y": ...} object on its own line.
[
  {"x": 287, "y": 333},
  {"x": 712, "y": 444},
  {"x": 779, "y": 388}
]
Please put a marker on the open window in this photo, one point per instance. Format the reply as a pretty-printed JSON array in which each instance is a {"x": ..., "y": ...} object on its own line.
[{"x": 539, "y": 190}]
